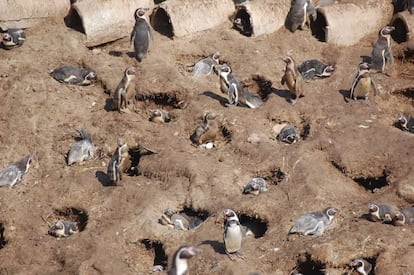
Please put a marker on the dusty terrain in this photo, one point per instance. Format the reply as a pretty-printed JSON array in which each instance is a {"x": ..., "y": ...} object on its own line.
[{"x": 347, "y": 151}]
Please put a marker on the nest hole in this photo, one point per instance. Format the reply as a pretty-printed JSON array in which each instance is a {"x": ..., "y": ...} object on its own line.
[
  {"x": 408, "y": 93},
  {"x": 157, "y": 249},
  {"x": 77, "y": 215},
  {"x": 3, "y": 240},
  {"x": 319, "y": 27},
  {"x": 161, "y": 22},
  {"x": 373, "y": 184},
  {"x": 247, "y": 27},
  {"x": 309, "y": 266},
  {"x": 190, "y": 212},
  {"x": 305, "y": 128},
  {"x": 273, "y": 176},
  {"x": 74, "y": 21},
  {"x": 165, "y": 100},
  {"x": 254, "y": 225},
  {"x": 226, "y": 133},
  {"x": 400, "y": 34}
]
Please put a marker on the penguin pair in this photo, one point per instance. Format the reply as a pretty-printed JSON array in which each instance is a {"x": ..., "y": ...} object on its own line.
[
  {"x": 293, "y": 79},
  {"x": 299, "y": 14},
  {"x": 235, "y": 90},
  {"x": 74, "y": 76},
  {"x": 119, "y": 163},
  {"x": 82, "y": 149},
  {"x": 406, "y": 122},
  {"x": 363, "y": 84},
  {"x": 179, "y": 221},
  {"x": 314, "y": 68},
  {"x": 205, "y": 66},
  {"x": 362, "y": 266},
  {"x": 63, "y": 229},
  {"x": 381, "y": 54},
  {"x": 233, "y": 235},
  {"x": 404, "y": 216},
  {"x": 122, "y": 90},
  {"x": 181, "y": 256},
  {"x": 13, "y": 38},
  {"x": 141, "y": 34},
  {"x": 13, "y": 173},
  {"x": 160, "y": 116},
  {"x": 314, "y": 223},
  {"x": 382, "y": 212}
]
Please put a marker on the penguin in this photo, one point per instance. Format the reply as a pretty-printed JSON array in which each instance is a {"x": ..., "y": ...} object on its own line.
[
  {"x": 73, "y": 75},
  {"x": 13, "y": 38},
  {"x": 207, "y": 131},
  {"x": 314, "y": 223},
  {"x": 299, "y": 14},
  {"x": 180, "y": 265},
  {"x": 314, "y": 68},
  {"x": 204, "y": 66},
  {"x": 235, "y": 90},
  {"x": 406, "y": 122},
  {"x": 404, "y": 216},
  {"x": 160, "y": 116},
  {"x": 13, "y": 173},
  {"x": 382, "y": 212},
  {"x": 243, "y": 26},
  {"x": 255, "y": 186},
  {"x": 82, "y": 149},
  {"x": 363, "y": 85},
  {"x": 122, "y": 89},
  {"x": 288, "y": 134},
  {"x": 293, "y": 79},
  {"x": 119, "y": 163},
  {"x": 63, "y": 229},
  {"x": 381, "y": 54},
  {"x": 179, "y": 221},
  {"x": 362, "y": 266},
  {"x": 141, "y": 34},
  {"x": 232, "y": 234}
]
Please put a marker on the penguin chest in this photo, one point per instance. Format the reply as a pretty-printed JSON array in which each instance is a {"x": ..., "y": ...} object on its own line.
[
  {"x": 290, "y": 80},
  {"x": 210, "y": 134},
  {"x": 364, "y": 87},
  {"x": 233, "y": 239}
]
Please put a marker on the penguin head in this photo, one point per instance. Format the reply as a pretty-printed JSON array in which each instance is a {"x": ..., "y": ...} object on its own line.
[
  {"x": 90, "y": 76},
  {"x": 7, "y": 37},
  {"x": 230, "y": 214},
  {"x": 399, "y": 218},
  {"x": 225, "y": 69},
  {"x": 362, "y": 266},
  {"x": 186, "y": 252},
  {"x": 238, "y": 24},
  {"x": 140, "y": 12},
  {"x": 288, "y": 60},
  {"x": 328, "y": 70},
  {"x": 374, "y": 211},
  {"x": 130, "y": 71},
  {"x": 363, "y": 67},
  {"x": 330, "y": 212},
  {"x": 28, "y": 161},
  {"x": 215, "y": 56},
  {"x": 386, "y": 30},
  {"x": 402, "y": 119}
]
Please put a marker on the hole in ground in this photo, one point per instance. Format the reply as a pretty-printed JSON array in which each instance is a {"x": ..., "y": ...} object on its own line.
[
  {"x": 157, "y": 250},
  {"x": 77, "y": 215},
  {"x": 305, "y": 128},
  {"x": 373, "y": 184},
  {"x": 319, "y": 27},
  {"x": 226, "y": 133},
  {"x": 246, "y": 27},
  {"x": 407, "y": 93},
  {"x": 399, "y": 5},
  {"x": 254, "y": 225},
  {"x": 74, "y": 21},
  {"x": 273, "y": 176},
  {"x": 400, "y": 34},
  {"x": 308, "y": 266},
  {"x": 168, "y": 100},
  {"x": 3, "y": 240},
  {"x": 161, "y": 22}
]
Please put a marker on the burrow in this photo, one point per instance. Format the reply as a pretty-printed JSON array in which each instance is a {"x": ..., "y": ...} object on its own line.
[
  {"x": 273, "y": 175},
  {"x": 157, "y": 252},
  {"x": 253, "y": 225},
  {"x": 3, "y": 240},
  {"x": 224, "y": 133},
  {"x": 194, "y": 217},
  {"x": 73, "y": 214},
  {"x": 306, "y": 265}
]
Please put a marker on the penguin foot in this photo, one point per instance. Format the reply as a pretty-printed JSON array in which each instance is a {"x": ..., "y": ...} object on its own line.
[
  {"x": 124, "y": 110},
  {"x": 240, "y": 255},
  {"x": 231, "y": 256},
  {"x": 293, "y": 101}
]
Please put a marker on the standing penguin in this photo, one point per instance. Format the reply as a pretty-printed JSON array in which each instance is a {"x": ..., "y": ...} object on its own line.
[
  {"x": 381, "y": 53},
  {"x": 13, "y": 38},
  {"x": 293, "y": 79},
  {"x": 180, "y": 265},
  {"x": 363, "y": 85},
  {"x": 119, "y": 162},
  {"x": 141, "y": 34},
  {"x": 232, "y": 234},
  {"x": 82, "y": 149},
  {"x": 299, "y": 13},
  {"x": 362, "y": 266},
  {"x": 121, "y": 91},
  {"x": 13, "y": 173}
]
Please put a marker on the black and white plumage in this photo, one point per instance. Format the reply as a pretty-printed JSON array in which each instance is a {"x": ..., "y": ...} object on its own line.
[
  {"x": 180, "y": 259},
  {"x": 406, "y": 122},
  {"x": 233, "y": 235},
  {"x": 63, "y": 229},
  {"x": 243, "y": 25},
  {"x": 404, "y": 216},
  {"x": 299, "y": 14},
  {"x": 363, "y": 84},
  {"x": 180, "y": 221},
  {"x": 315, "y": 68},
  {"x": 293, "y": 79},
  {"x": 382, "y": 212},
  {"x": 288, "y": 134},
  {"x": 235, "y": 90},
  {"x": 73, "y": 75},
  {"x": 141, "y": 34},
  {"x": 255, "y": 186},
  {"x": 119, "y": 162},
  {"x": 381, "y": 54},
  {"x": 205, "y": 66},
  {"x": 13, "y": 173},
  {"x": 362, "y": 266},
  {"x": 314, "y": 223},
  {"x": 13, "y": 38},
  {"x": 82, "y": 149},
  {"x": 160, "y": 116}
]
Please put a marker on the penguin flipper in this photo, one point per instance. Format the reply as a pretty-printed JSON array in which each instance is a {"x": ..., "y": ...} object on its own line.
[{"x": 132, "y": 36}]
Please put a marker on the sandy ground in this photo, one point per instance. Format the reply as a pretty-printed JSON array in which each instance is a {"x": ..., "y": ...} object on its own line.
[{"x": 347, "y": 151}]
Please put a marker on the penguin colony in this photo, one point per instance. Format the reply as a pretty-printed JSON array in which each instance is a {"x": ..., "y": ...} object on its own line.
[{"x": 301, "y": 13}]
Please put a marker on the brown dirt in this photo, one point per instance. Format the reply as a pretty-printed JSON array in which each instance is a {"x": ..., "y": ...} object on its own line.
[{"x": 122, "y": 234}]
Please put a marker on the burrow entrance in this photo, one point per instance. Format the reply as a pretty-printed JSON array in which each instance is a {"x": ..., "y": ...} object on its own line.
[
  {"x": 254, "y": 225},
  {"x": 306, "y": 265},
  {"x": 166, "y": 100},
  {"x": 76, "y": 215},
  {"x": 161, "y": 22},
  {"x": 373, "y": 184},
  {"x": 243, "y": 15},
  {"x": 74, "y": 21},
  {"x": 273, "y": 176},
  {"x": 319, "y": 27},
  {"x": 156, "y": 248},
  {"x": 3, "y": 240},
  {"x": 400, "y": 34}
]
